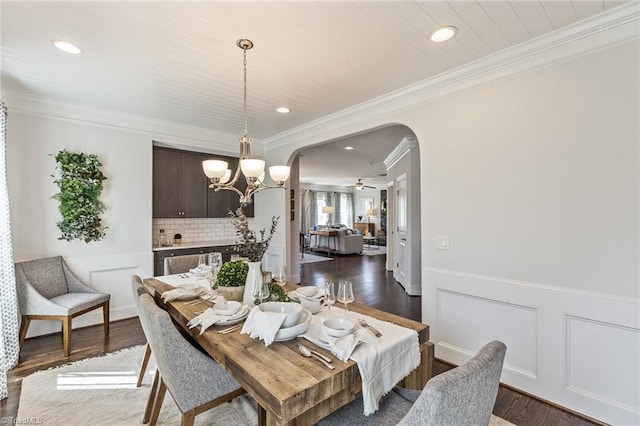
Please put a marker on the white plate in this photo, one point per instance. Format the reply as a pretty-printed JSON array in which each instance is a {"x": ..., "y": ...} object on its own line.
[
  {"x": 233, "y": 321},
  {"x": 227, "y": 308},
  {"x": 197, "y": 274},
  {"x": 316, "y": 335},
  {"x": 293, "y": 295},
  {"x": 294, "y": 331}
]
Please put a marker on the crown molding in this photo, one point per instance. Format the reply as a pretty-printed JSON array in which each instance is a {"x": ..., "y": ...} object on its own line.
[
  {"x": 600, "y": 31},
  {"x": 173, "y": 134},
  {"x": 404, "y": 147}
]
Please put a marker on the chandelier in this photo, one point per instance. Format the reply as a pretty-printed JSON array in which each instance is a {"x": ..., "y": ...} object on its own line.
[{"x": 218, "y": 171}]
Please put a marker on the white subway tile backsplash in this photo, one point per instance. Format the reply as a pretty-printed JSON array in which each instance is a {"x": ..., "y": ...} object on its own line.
[{"x": 194, "y": 230}]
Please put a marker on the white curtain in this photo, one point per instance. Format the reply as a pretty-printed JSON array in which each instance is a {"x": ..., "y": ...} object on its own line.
[
  {"x": 346, "y": 209},
  {"x": 9, "y": 349}
]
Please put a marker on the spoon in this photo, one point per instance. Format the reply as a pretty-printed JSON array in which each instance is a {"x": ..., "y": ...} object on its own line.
[{"x": 309, "y": 354}]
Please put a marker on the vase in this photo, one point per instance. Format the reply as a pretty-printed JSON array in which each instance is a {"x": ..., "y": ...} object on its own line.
[
  {"x": 254, "y": 280},
  {"x": 232, "y": 293}
]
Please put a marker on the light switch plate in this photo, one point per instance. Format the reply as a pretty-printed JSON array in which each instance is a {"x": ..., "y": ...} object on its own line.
[{"x": 442, "y": 242}]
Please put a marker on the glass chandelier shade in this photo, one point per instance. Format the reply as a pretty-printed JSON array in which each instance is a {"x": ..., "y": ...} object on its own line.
[{"x": 218, "y": 171}]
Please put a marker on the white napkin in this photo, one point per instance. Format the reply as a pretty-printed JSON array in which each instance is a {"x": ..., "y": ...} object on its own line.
[
  {"x": 184, "y": 292},
  {"x": 263, "y": 325},
  {"x": 208, "y": 318},
  {"x": 343, "y": 347}
]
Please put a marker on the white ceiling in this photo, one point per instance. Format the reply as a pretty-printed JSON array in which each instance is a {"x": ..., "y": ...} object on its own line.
[{"x": 178, "y": 62}]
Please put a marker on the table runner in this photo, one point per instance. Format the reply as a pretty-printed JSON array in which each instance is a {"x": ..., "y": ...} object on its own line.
[{"x": 381, "y": 366}]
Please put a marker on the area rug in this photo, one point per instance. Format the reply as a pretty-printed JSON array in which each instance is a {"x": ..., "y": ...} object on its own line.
[
  {"x": 374, "y": 251},
  {"x": 311, "y": 258},
  {"x": 102, "y": 391}
]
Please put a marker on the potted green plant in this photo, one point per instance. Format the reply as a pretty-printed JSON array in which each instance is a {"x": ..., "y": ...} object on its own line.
[{"x": 231, "y": 278}]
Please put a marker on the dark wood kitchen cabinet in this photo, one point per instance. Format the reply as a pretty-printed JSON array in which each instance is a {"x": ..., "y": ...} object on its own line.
[
  {"x": 179, "y": 185},
  {"x": 181, "y": 189},
  {"x": 220, "y": 202}
]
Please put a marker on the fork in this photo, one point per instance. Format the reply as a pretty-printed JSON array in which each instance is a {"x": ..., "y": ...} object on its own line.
[
  {"x": 372, "y": 330},
  {"x": 229, "y": 330}
]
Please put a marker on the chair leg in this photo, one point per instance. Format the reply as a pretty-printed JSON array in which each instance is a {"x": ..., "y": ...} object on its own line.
[
  {"x": 152, "y": 397},
  {"x": 188, "y": 418},
  {"x": 105, "y": 317},
  {"x": 157, "y": 405},
  {"x": 24, "y": 326},
  {"x": 66, "y": 335},
  {"x": 143, "y": 366}
]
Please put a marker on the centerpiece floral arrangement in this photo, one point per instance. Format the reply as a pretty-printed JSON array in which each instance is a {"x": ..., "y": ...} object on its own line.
[{"x": 247, "y": 242}]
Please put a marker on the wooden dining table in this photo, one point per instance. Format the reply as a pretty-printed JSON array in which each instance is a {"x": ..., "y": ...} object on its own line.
[{"x": 288, "y": 387}]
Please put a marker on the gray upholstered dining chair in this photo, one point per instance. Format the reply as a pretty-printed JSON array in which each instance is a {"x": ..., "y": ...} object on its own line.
[
  {"x": 180, "y": 264},
  {"x": 196, "y": 382},
  {"x": 462, "y": 396},
  {"x": 48, "y": 290},
  {"x": 138, "y": 289}
]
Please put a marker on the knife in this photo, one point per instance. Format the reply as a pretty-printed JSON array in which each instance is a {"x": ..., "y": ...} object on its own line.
[{"x": 373, "y": 331}]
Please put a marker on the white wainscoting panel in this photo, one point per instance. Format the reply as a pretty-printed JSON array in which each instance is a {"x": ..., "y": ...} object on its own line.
[
  {"x": 111, "y": 274},
  {"x": 466, "y": 337},
  {"x": 590, "y": 368},
  {"x": 580, "y": 350}
]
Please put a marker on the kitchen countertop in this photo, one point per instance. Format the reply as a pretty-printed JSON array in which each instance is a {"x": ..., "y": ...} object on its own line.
[{"x": 196, "y": 245}]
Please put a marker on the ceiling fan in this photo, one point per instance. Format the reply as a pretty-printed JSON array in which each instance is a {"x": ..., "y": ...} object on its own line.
[{"x": 360, "y": 185}]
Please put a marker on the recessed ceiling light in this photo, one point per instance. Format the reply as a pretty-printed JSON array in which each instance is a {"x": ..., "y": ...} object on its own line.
[
  {"x": 443, "y": 34},
  {"x": 67, "y": 47},
  {"x": 283, "y": 110},
  {"x": 348, "y": 148}
]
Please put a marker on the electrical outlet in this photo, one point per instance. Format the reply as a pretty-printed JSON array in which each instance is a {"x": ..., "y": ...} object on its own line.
[{"x": 442, "y": 242}]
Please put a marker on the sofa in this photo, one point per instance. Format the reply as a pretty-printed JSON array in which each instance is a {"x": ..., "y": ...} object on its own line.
[{"x": 346, "y": 242}]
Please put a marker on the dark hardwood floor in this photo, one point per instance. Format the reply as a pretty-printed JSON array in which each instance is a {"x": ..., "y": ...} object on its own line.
[{"x": 372, "y": 285}]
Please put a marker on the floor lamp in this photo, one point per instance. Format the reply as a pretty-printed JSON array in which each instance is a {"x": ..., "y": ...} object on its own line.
[
  {"x": 369, "y": 213},
  {"x": 328, "y": 210}
]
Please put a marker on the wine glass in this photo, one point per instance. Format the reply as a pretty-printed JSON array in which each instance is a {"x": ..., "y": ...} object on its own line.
[
  {"x": 280, "y": 276},
  {"x": 329, "y": 295},
  {"x": 261, "y": 292},
  {"x": 345, "y": 294}
]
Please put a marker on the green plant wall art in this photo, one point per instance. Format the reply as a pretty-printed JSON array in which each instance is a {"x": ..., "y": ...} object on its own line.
[{"x": 80, "y": 186}]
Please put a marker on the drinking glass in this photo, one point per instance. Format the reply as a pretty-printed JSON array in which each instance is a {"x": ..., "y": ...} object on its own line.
[
  {"x": 345, "y": 294},
  {"x": 202, "y": 262},
  {"x": 329, "y": 295},
  {"x": 280, "y": 276},
  {"x": 261, "y": 292},
  {"x": 215, "y": 261}
]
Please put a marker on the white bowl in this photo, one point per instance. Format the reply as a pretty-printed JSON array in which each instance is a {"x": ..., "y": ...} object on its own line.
[
  {"x": 293, "y": 311},
  {"x": 338, "y": 327},
  {"x": 288, "y": 333},
  {"x": 308, "y": 291},
  {"x": 312, "y": 305},
  {"x": 227, "y": 308}
]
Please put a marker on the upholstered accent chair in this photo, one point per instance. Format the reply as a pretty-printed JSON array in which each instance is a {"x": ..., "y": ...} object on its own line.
[
  {"x": 196, "y": 382},
  {"x": 48, "y": 290},
  {"x": 180, "y": 264},
  {"x": 462, "y": 396},
  {"x": 137, "y": 285}
]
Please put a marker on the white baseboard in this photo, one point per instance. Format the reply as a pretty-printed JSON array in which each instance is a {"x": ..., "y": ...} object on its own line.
[{"x": 577, "y": 349}]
